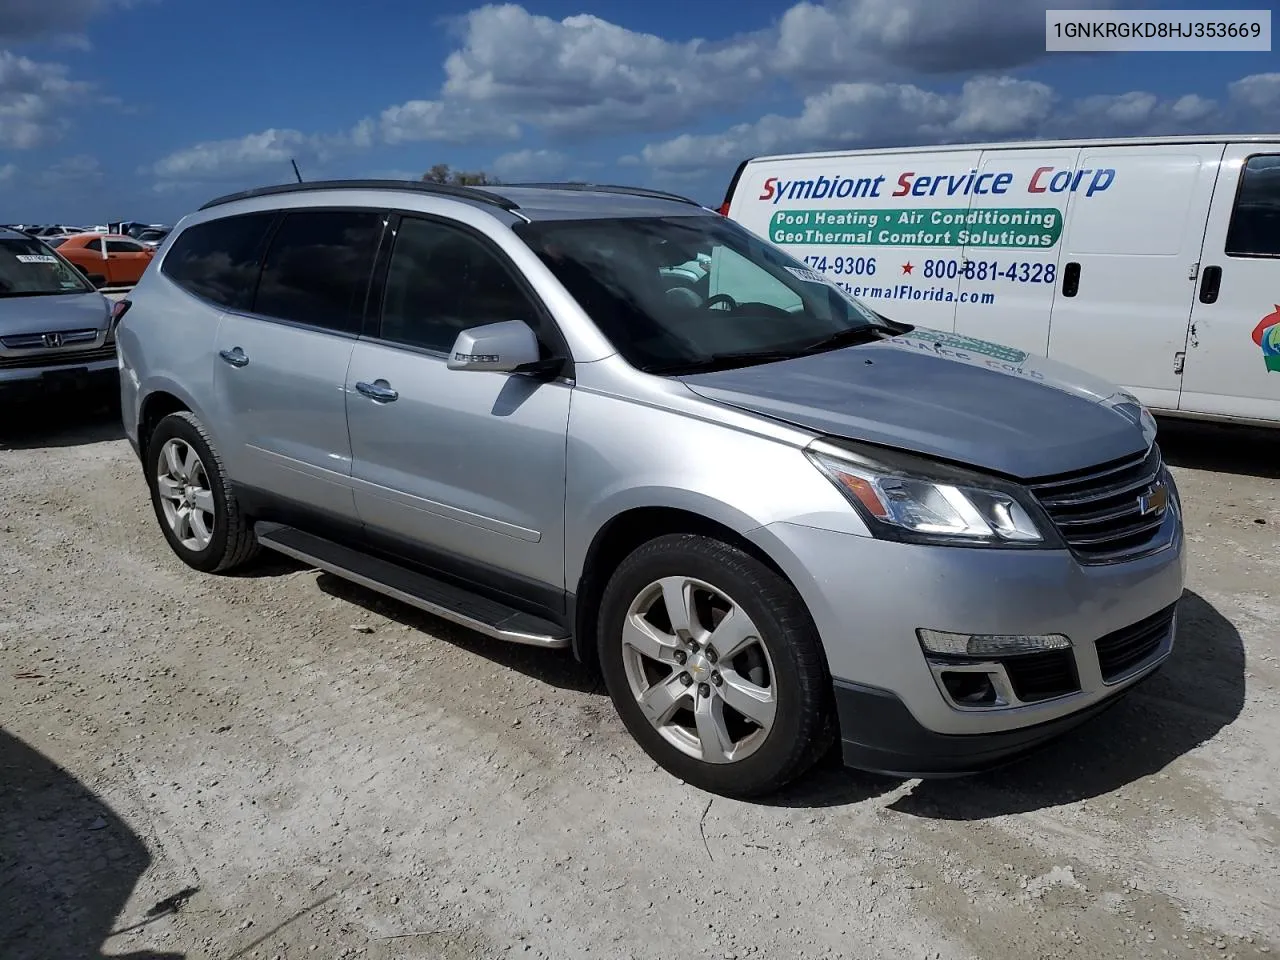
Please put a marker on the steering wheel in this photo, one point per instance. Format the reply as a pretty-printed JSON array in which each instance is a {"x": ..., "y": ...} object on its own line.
[{"x": 719, "y": 298}]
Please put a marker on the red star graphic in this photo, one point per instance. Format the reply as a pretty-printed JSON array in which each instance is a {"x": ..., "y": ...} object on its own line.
[{"x": 907, "y": 267}]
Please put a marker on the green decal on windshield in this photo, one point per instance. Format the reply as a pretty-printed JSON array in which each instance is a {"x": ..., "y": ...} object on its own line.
[{"x": 1016, "y": 227}]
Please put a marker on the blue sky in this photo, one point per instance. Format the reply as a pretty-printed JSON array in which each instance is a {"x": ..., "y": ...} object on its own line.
[{"x": 143, "y": 109}]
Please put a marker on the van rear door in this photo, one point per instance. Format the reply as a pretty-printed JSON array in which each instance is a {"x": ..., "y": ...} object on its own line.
[
  {"x": 1233, "y": 351},
  {"x": 1125, "y": 285},
  {"x": 1009, "y": 263}
]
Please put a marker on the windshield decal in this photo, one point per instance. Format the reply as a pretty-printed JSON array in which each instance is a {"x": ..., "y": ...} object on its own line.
[{"x": 36, "y": 258}]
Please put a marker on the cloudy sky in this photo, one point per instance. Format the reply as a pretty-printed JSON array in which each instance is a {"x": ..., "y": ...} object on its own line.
[{"x": 122, "y": 109}]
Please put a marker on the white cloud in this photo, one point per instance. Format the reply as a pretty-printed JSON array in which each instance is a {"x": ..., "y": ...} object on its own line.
[
  {"x": 848, "y": 40},
  {"x": 32, "y": 97},
  {"x": 531, "y": 165},
  {"x": 847, "y": 115},
  {"x": 438, "y": 120},
  {"x": 78, "y": 171},
  {"x": 584, "y": 73},
  {"x": 8, "y": 172}
]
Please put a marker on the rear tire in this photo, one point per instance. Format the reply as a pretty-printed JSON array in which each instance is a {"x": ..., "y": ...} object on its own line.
[
  {"x": 714, "y": 665},
  {"x": 192, "y": 498}
]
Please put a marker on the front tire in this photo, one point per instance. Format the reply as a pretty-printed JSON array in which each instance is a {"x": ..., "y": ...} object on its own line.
[
  {"x": 715, "y": 666},
  {"x": 192, "y": 498}
]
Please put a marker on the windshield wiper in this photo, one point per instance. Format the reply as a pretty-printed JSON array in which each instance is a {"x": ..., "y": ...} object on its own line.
[{"x": 850, "y": 337}]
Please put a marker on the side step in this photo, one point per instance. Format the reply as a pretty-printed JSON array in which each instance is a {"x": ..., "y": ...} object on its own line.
[{"x": 408, "y": 586}]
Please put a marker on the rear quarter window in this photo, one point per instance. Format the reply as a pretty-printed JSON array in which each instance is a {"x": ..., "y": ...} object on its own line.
[{"x": 219, "y": 260}]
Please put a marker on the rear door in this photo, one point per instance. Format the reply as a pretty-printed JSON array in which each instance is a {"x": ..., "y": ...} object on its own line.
[
  {"x": 281, "y": 367},
  {"x": 1233, "y": 351},
  {"x": 1010, "y": 260},
  {"x": 875, "y": 224},
  {"x": 1126, "y": 279}
]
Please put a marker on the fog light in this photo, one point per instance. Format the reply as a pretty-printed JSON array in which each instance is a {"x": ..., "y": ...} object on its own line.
[
  {"x": 969, "y": 689},
  {"x": 989, "y": 645}
]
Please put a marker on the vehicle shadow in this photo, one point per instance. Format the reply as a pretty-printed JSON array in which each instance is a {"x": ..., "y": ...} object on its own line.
[
  {"x": 91, "y": 417},
  {"x": 1196, "y": 693},
  {"x": 556, "y": 668},
  {"x": 1199, "y": 691},
  {"x": 1219, "y": 448},
  {"x": 68, "y": 864}
]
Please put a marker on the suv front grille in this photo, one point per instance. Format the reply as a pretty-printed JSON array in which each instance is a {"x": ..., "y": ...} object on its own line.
[
  {"x": 1110, "y": 512},
  {"x": 1122, "y": 651},
  {"x": 60, "y": 358},
  {"x": 38, "y": 341}
]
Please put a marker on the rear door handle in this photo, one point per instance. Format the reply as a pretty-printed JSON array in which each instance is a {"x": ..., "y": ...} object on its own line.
[
  {"x": 379, "y": 390},
  {"x": 1209, "y": 284},
  {"x": 235, "y": 356}
]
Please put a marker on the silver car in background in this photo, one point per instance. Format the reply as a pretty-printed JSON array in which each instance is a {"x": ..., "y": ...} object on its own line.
[
  {"x": 610, "y": 420},
  {"x": 55, "y": 327}
]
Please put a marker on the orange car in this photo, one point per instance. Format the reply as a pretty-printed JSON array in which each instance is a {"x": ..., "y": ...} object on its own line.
[{"x": 120, "y": 264}]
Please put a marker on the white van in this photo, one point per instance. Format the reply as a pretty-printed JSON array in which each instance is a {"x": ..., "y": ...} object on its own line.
[{"x": 1154, "y": 263}]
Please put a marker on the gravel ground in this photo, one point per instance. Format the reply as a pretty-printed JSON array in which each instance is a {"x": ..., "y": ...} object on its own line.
[{"x": 282, "y": 765}]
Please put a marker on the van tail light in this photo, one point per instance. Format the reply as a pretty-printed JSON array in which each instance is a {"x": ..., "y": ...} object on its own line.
[{"x": 724, "y": 209}]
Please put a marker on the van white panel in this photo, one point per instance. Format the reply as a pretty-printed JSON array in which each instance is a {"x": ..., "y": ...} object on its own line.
[
  {"x": 1136, "y": 245},
  {"x": 868, "y": 223},
  {"x": 1233, "y": 351},
  {"x": 1009, "y": 269}
]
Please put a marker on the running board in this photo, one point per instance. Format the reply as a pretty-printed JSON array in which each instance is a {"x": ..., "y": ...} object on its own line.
[{"x": 435, "y": 597}]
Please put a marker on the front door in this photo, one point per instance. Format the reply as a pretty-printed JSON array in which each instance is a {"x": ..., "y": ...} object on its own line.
[
  {"x": 459, "y": 466},
  {"x": 1126, "y": 274},
  {"x": 1009, "y": 268},
  {"x": 1233, "y": 350},
  {"x": 126, "y": 261},
  {"x": 281, "y": 368}
]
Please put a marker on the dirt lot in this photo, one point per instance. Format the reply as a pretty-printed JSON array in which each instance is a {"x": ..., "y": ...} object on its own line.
[{"x": 280, "y": 765}]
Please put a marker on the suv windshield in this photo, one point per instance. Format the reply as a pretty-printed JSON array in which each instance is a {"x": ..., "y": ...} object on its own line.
[
  {"x": 28, "y": 268},
  {"x": 688, "y": 294}
]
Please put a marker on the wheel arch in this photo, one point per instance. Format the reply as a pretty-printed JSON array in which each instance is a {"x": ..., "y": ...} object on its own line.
[{"x": 624, "y": 532}]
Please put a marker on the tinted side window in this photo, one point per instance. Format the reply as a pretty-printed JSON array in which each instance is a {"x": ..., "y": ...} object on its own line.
[
  {"x": 94, "y": 245},
  {"x": 441, "y": 281},
  {"x": 1255, "y": 221},
  {"x": 123, "y": 246},
  {"x": 318, "y": 267},
  {"x": 219, "y": 260}
]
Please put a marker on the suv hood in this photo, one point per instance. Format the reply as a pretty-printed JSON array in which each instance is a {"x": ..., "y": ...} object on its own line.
[
  {"x": 71, "y": 311},
  {"x": 946, "y": 396}
]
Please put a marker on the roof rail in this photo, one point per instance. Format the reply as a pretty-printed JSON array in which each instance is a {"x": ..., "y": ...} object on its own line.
[
  {"x": 609, "y": 188},
  {"x": 419, "y": 186}
]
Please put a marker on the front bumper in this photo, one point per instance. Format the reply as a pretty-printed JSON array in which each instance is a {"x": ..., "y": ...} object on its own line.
[
  {"x": 868, "y": 598},
  {"x": 35, "y": 383}
]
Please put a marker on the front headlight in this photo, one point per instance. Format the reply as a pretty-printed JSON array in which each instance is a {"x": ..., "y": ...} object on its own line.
[{"x": 903, "y": 497}]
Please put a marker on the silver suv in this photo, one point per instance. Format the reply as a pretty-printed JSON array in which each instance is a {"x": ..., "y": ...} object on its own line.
[
  {"x": 55, "y": 327},
  {"x": 611, "y": 420}
]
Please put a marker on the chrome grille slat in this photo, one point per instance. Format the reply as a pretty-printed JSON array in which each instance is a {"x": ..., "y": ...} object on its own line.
[{"x": 1097, "y": 511}]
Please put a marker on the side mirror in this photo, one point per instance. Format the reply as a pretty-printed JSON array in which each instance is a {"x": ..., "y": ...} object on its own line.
[{"x": 506, "y": 347}]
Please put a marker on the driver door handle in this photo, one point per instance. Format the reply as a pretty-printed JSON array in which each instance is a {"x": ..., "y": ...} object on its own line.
[
  {"x": 379, "y": 391},
  {"x": 235, "y": 356}
]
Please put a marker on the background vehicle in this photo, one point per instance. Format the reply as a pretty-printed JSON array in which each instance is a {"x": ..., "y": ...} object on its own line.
[
  {"x": 119, "y": 260},
  {"x": 769, "y": 516},
  {"x": 1154, "y": 263},
  {"x": 55, "y": 328},
  {"x": 151, "y": 237}
]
